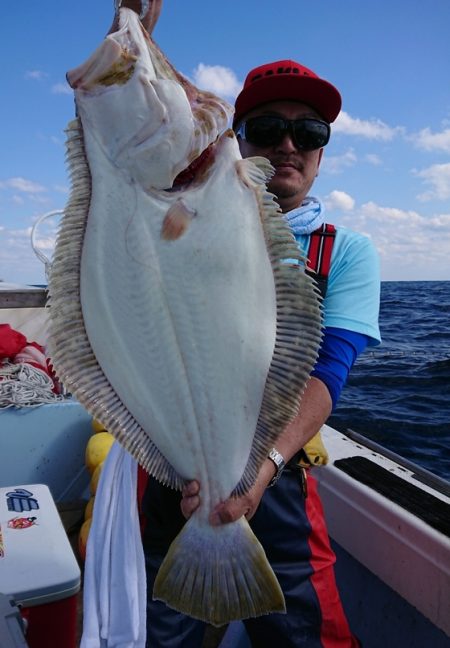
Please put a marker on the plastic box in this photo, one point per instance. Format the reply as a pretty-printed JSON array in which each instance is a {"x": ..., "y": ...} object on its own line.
[
  {"x": 11, "y": 624},
  {"x": 38, "y": 568}
]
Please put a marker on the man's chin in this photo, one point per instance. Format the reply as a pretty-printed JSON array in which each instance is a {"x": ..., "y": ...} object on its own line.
[{"x": 282, "y": 188}]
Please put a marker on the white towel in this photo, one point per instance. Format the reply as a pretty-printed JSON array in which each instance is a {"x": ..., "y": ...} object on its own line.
[
  {"x": 306, "y": 218},
  {"x": 115, "y": 592}
]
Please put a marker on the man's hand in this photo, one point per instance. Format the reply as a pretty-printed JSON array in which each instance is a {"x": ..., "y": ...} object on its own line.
[
  {"x": 234, "y": 507},
  {"x": 190, "y": 498}
]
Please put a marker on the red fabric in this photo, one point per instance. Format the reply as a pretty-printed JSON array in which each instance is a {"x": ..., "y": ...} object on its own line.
[
  {"x": 328, "y": 240},
  {"x": 15, "y": 347},
  {"x": 142, "y": 479},
  {"x": 289, "y": 80},
  {"x": 57, "y": 386},
  {"x": 11, "y": 341},
  {"x": 313, "y": 252},
  {"x": 320, "y": 249},
  {"x": 33, "y": 354},
  {"x": 335, "y": 631}
]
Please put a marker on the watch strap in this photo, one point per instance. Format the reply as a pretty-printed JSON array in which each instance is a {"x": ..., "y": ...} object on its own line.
[{"x": 279, "y": 462}]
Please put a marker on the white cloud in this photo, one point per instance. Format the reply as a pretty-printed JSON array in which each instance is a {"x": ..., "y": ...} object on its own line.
[
  {"x": 429, "y": 141},
  {"x": 217, "y": 79},
  {"x": 18, "y": 261},
  {"x": 20, "y": 233},
  {"x": 339, "y": 200},
  {"x": 62, "y": 88},
  {"x": 373, "y": 129},
  {"x": 438, "y": 177},
  {"x": 23, "y": 185},
  {"x": 440, "y": 222},
  {"x": 46, "y": 243},
  {"x": 61, "y": 189},
  {"x": 36, "y": 75},
  {"x": 338, "y": 163},
  {"x": 372, "y": 212},
  {"x": 20, "y": 192},
  {"x": 373, "y": 158},
  {"x": 40, "y": 199},
  {"x": 411, "y": 246}
]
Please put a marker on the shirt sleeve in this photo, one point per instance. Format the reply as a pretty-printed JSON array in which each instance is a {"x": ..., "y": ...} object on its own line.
[
  {"x": 352, "y": 300},
  {"x": 337, "y": 354}
]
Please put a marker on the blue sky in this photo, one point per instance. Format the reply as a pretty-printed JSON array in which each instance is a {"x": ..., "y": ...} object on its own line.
[{"x": 386, "y": 171}]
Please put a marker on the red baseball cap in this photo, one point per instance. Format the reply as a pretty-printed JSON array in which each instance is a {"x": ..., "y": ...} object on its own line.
[{"x": 287, "y": 80}]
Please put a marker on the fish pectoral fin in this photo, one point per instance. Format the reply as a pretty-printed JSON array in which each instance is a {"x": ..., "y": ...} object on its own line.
[
  {"x": 254, "y": 171},
  {"x": 218, "y": 574},
  {"x": 176, "y": 221}
]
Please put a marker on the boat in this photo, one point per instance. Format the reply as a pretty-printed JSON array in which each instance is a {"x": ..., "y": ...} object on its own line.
[
  {"x": 43, "y": 444},
  {"x": 388, "y": 518}
]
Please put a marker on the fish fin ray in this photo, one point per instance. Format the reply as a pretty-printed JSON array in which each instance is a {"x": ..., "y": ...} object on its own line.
[
  {"x": 70, "y": 351},
  {"x": 298, "y": 336},
  {"x": 254, "y": 171},
  {"x": 218, "y": 574}
]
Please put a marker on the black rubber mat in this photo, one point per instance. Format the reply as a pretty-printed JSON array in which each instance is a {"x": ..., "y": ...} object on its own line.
[{"x": 423, "y": 505}]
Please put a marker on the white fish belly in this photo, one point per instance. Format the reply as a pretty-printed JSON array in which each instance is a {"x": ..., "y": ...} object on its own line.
[{"x": 184, "y": 330}]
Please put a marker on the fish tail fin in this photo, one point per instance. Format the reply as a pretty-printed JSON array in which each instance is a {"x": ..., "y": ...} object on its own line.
[{"x": 218, "y": 574}]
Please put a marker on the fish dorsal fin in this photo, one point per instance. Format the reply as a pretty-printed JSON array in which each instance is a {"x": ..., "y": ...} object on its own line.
[
  {"x": 254, "y": 171},
  {"x": 299, "y": 323},
  {"x": 70, "y": 350}
]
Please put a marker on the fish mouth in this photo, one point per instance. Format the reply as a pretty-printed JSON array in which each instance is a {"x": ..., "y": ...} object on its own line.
[
  {"x": 202, "y": 165},
  {"x": 196, "y": 172}
]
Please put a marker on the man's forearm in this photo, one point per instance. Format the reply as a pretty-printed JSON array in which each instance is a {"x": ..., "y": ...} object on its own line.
[{"x": 315, "y": 408}]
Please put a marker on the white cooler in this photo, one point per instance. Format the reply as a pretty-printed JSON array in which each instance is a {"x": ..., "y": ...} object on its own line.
[{"x": 38, "y": 568}]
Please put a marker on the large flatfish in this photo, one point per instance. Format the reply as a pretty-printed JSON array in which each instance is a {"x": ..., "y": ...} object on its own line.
[{"x": 181, "y": 315}]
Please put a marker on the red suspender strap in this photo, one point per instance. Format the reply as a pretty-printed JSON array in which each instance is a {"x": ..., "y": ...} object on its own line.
[
  {"x": 320, "y": 249},
  {"x": 319, "y": 255},
  {"x": 142, "y": 478}
]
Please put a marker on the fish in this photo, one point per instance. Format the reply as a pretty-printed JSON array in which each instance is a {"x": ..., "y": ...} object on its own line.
[{"x": 181, "y": 315}]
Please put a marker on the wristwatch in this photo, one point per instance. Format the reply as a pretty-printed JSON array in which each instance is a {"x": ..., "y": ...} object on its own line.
[{"x": 279, "y": 462}]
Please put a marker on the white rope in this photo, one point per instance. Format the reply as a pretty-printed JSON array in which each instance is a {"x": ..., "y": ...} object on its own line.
[{"x": 22, "y": 385}]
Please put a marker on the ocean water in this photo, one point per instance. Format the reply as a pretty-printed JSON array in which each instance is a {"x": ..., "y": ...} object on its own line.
[{"x": 398, "y": 394}]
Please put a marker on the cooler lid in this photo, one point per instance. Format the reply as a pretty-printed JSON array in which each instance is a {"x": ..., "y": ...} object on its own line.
[{"x": 37, "y": 564}]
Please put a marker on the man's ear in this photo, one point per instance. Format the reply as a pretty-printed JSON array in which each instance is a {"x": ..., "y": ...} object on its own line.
[{"x": 319, "y": 161}]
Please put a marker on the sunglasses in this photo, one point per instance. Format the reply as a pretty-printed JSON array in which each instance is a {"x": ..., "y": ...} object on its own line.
[{"x": 307, "y": 133}]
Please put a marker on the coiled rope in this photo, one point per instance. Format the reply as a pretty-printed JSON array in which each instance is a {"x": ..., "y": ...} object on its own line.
[{"x": 22, "y": 385}]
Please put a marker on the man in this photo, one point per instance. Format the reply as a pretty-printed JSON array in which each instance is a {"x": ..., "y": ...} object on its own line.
[{"x": 283, "y": 113}]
